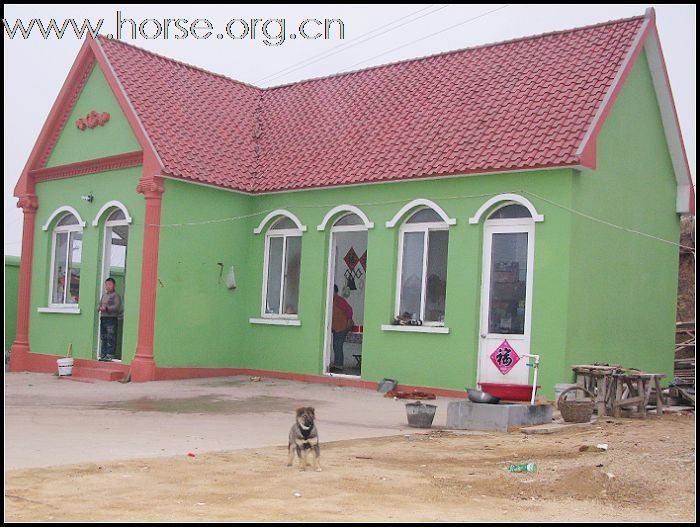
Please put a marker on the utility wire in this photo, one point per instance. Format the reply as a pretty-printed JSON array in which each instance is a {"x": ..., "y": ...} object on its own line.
[
  {"x": 589, "y": 217},
  {"x": 337, "y": 49},
  {"x": 445, "y": 198},
  {"x": 427, "y": 36}
]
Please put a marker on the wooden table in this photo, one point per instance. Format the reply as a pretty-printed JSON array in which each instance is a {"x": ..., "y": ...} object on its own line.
[
  {"x": 615, "y": 388},
  {"x": 599, "y": 381}
]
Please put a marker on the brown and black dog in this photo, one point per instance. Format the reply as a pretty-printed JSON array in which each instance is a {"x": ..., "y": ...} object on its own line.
[{"x": 304, "y": 437}]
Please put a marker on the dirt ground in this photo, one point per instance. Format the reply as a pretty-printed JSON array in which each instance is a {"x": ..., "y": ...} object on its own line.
[{"x": 647, "y": 474}]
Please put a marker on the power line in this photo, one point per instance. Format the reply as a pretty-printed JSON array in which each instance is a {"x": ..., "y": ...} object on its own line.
[
  {"x": 427, "y": 36},
  {"x": 592, "y": 218},
  {"x": 444, "y": 198},
  {"x": 337, "y": 49}
]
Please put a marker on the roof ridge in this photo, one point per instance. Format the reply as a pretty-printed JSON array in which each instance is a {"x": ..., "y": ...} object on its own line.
[
  {"x": 176, "y": 61},
  {"x": 461, "y": 50},
  {"x": 387, "y": 65},
  {"x": 257, "y": 132}
]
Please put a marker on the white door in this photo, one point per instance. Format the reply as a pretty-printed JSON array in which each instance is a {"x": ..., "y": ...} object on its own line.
[{"x": 506, "y": 301}]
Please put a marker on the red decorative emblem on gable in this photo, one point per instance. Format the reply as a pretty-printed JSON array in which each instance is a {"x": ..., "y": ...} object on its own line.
[{"x": 92, "y": 120}]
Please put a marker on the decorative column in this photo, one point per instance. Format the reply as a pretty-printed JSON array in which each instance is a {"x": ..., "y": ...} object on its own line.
[
  {"x": 19, "y": 352},
  {"x": 143, "y": 367}
]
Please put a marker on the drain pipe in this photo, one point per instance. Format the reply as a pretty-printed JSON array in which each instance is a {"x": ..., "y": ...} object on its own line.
[{"x": 535, "y": 365}]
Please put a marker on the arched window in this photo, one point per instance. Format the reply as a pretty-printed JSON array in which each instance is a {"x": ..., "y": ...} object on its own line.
[
  {"x": 422, "y": 270},
  {"x": 115, "y": 248},
  {"x": 65, "y": 265},
  {"x": 511, "y": 211},
  {"x": 356, "y": 216},
  {"x": 349, "y": 219},
  {"x": 282, "y": 269}
]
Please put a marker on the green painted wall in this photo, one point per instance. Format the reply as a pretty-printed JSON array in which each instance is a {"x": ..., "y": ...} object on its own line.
[
  {"x": 11, "y": 291},
  {"x": 447, "y": 361},
  {"x": 115, "y": 137},
  {"x": 623, "y": 293},
  {"x": 199, "y": 322},
  {"x": 51, "y": 333},
  {"x": 599, "y": 293}
]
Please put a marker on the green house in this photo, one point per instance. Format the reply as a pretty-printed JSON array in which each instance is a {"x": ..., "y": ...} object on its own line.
[{"x": 473, "y": 208}]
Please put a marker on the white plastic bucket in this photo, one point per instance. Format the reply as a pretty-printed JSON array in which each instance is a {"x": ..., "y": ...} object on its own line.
[
  {"x": 559, "y": 388},
  {"x": 65, "y": 367}
]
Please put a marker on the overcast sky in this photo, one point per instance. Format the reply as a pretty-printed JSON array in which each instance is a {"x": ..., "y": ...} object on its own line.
[{"x": 35, "y": 69}]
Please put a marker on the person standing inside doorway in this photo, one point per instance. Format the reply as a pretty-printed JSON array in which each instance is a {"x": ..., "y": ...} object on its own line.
[
  {"x": 110, "y": 308},
  {"x": 341, "y": 324}
]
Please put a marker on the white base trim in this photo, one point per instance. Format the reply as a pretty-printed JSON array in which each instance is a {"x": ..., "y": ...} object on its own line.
[
  {"x": 64, "y": 310},
  {"x": 276, "y": 321},
  {"x": 416, "y": 329}
]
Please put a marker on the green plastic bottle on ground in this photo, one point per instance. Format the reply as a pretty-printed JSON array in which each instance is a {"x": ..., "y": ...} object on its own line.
[{"x": 523, "y": 467}]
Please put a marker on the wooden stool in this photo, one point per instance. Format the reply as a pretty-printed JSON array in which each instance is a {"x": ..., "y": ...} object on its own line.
[{"x": 634, "y": 390}]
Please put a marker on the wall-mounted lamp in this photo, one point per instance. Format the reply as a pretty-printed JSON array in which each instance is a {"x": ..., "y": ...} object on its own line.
[{"x": 88, "y": 198}]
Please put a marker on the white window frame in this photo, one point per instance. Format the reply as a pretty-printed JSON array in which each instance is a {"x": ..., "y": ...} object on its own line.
[
  {"x": 106, "y": 254},
  {"x": 425, "y": 228},
  {"x": 284, "y": 234},
  {"x": 76, "y": 227}
]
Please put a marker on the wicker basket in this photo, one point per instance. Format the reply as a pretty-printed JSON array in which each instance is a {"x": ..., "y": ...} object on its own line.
[{"x": 576, "y": 411}]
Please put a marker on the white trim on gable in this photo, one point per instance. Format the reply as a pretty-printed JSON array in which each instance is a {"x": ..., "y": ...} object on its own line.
[
  {"x": 669, "y": 118},
  {"x": 648, "y": 39},
  {"x": 614, "y": 86}
]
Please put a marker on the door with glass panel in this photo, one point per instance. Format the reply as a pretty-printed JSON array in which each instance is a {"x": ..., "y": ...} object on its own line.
[
  {"x": 506, "y": 300},
  {"x": 116, "y": 243}
]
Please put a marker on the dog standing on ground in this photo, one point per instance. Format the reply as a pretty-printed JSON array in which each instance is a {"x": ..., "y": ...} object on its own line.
[{"x": 304, "y": 437}]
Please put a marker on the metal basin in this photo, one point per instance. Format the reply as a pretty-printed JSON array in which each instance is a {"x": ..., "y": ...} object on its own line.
[{"x": 477, "y": 396}]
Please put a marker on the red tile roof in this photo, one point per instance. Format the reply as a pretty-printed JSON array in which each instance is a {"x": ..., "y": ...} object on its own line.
[
  {"x": 200, "y": 123},
  {"x": 514, "y": 105}
]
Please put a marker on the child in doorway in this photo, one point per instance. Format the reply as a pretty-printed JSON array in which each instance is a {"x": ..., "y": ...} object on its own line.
[{"x": 110, "y": 308}]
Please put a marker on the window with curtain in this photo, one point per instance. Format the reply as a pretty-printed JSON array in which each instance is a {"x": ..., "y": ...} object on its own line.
[
  {"x": 422, "y": 282},
  {"x": 282, "y": 269},
  {"x": 65, "y": 271}
]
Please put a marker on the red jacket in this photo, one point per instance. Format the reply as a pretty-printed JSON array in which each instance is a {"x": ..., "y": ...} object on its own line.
[{"x": 342, "y": 314}]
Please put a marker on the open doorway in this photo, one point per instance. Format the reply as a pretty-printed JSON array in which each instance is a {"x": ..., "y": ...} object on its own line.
[
  {"x": 114, "y": 258},
  {"x": 347, "y": 273}
]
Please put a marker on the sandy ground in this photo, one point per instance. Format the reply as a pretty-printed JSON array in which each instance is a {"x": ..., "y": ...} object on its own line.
[
  {"x": 51, "y": 421},
  {"x": 647, "y": 474}
]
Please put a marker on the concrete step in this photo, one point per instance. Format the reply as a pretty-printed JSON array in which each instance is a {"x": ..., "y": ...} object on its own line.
[{"x": 104, "y": 373}]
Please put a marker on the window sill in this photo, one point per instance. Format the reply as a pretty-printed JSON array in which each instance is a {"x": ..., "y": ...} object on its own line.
[
  {"x": 63, "y": 310},
  {"x": 416, "y": 329},
  {"x": 276, "y": 321}
]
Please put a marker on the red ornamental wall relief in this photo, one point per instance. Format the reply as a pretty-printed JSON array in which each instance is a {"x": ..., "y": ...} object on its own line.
[{"x": 92, "y": 120}]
